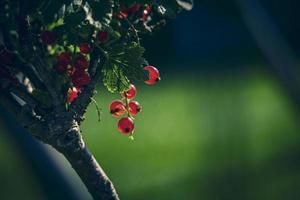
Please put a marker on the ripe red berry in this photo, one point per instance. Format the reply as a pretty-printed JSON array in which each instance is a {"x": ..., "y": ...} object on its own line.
[
  {"x": 126, "y": 125},
  {"x": 117, "y": 108},
  {"x": 134, "y": 108},
  {"x": 85, "y": 48},
  {"x": 81, "y": 63},
  {"x": 80, "y": 78},
  {"x": 153, "y": 75},
  {"x": 64, "y": 58},
  {"x": 48, "y": 37},
  {"x": 131, "y": 93},
  {"x": 72, "y": 94},
  {"x": 102, "y": 36},
  {"x": 123, "y": 13},
  {"x": 146, "y": 13}
]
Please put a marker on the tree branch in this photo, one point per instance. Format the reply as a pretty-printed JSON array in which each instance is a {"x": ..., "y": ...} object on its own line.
[
  {"x": 21, "y": 92},
  {"x": 86, "y": 166},
  {"x": 24, "y": 116},
  {"x": 66, "y": 138}
]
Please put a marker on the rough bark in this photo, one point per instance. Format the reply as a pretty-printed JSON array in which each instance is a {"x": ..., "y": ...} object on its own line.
[
  {"x": 68, "y": 141},
  {"x": 90, "y": 172}
]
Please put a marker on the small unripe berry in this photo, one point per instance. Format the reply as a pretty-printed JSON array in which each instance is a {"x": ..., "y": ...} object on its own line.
[
  {"x": 48, "y": 37},
  {"x": 126, "y": 125},
  {"x": 131, "y": 93},
  {"x": 153, "y": 75},
  {"x": 117, "y": 108},
  {"x": 85, "y": 48},
  {"x": 64, "y": 58},
  {"x": 134, "y": 108}
]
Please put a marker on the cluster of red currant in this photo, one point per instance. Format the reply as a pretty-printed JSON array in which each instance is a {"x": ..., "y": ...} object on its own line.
[
  {"x": 132, "y": 108},
  {"x": 76, "y": 65},
  {"x": 142, "y": 11}
]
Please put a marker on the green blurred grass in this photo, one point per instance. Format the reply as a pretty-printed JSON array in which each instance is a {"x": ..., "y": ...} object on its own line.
[{"x": 200, "y": 136}]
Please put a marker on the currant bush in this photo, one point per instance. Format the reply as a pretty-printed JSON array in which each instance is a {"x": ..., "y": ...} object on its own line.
[
  {"x": 78, "y": 43},
  {"x": 54, "y": 54}
]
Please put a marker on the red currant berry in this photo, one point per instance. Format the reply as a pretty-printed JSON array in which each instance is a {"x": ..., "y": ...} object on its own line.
[
  {"x": 80, "y": 78},
  {"x": 123, "y": 13},
  {"x": 134, "y": 108},
  {"x": 131, "y": 93},
  {"x": 61, "y": 68},
  {"x": 64, "y": 58},
  {"x": 153, "y": 75},
  {"x": 72, "y": 94},
  {"x": 102, "y": 36},
  {"x": 48, "y": 37},
  {"x": 117, "y": 108},
  {"x": 81, "y": 63},
  {"x": 126, "y": 125},
  {"x": 146, "y": 13},
  {"x": 85, "y": 48}
]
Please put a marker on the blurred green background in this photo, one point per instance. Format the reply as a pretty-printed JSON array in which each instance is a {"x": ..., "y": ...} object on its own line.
[{"x": 219, "y": 126}]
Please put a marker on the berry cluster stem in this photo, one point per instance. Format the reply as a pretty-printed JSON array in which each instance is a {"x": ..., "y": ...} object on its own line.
[{"x": 128, "y": 114}]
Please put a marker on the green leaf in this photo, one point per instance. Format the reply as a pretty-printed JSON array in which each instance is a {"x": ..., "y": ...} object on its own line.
[
  {"x": 125, "y": 61},
  {"x": 114, "y": 78},
  {"x": 129, "y": 57}
]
